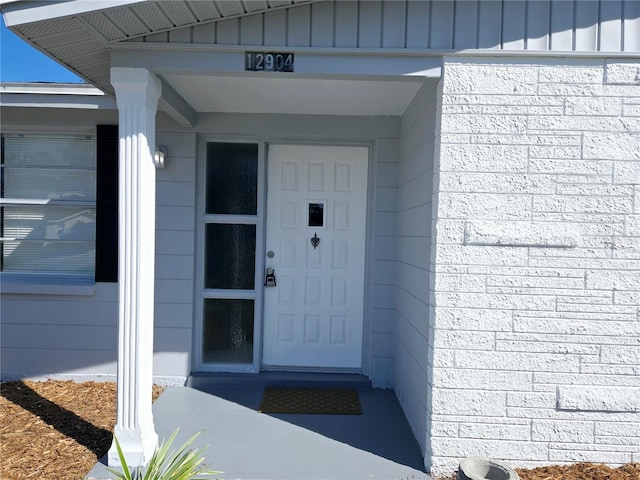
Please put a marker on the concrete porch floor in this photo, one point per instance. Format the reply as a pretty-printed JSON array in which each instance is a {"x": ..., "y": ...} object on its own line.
[{"x": 248, "y": 445}]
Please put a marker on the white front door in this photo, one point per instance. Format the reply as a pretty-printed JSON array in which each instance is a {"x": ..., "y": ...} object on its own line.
[{"x": 313, "y": 316}]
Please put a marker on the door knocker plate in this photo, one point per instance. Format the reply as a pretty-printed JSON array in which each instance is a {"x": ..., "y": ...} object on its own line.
[{"x": 315, "y": 241}]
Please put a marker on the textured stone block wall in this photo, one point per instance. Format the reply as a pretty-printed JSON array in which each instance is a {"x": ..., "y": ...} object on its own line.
[{"x": 537, "y": 262}]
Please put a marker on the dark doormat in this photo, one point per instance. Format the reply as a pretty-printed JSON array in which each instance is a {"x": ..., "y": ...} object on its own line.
[{"x": 308, "y": 400}]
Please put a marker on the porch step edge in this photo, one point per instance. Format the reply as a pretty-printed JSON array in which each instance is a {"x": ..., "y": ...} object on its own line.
[{"x": 205, "y": 381}]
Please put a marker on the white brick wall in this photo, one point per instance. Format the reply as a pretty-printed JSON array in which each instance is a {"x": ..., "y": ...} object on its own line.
[{"x": 536, "y": 354}]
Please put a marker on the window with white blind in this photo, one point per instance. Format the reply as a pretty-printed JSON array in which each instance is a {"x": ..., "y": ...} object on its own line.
[{"x": 48, "y": 204}]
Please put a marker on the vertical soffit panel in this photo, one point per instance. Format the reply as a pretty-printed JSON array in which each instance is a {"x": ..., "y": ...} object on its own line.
[
  {"x": 127, "y": 21},
  {"x": 230, "y": 8},
  {"x": 278, "y": 3},
  {"x": 69, "y": 37},
  {"x": 178, "y": 12},
  {"x": 162, "y": 16},
  {"x": 48, "y": 27},
  {"x": 152, "y": 15},
  {"x": 255, "y": 5},
  {"x": 104, "y": 26},
  {"x": 77, "y": 51},
  {"x": 205, "y": 10}
]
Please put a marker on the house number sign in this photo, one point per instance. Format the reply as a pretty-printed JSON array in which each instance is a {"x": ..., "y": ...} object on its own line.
[{"x": 268, "y": 62}]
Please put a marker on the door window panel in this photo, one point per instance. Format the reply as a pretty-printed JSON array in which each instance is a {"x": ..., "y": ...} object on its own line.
[
  {"x": 316, "y": 215},
  {"x": 228, "y": 331},
  {"x": 230, "y": 256},
  {"x": 232, "y": 179}
]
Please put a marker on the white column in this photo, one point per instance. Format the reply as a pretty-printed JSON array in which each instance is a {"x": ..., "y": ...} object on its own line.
[{"x": 137, "y": 93}]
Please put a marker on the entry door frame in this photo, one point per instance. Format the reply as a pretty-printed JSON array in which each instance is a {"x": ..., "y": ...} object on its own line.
[
  {"x": 261, "y": 227},
  {"x": 322, "y": 354}
]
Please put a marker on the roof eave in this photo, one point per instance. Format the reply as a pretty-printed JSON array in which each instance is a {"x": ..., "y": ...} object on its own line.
[
  {"x": 20, "y": 12},
  {"x": 54, "y": 95}
]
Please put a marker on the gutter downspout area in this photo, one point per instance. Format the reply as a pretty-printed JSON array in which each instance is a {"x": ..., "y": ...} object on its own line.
[{"x": 137, "y": 94}]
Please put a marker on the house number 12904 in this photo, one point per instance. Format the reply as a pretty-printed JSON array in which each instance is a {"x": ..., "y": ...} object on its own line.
[{"x": 268, "y": 62}]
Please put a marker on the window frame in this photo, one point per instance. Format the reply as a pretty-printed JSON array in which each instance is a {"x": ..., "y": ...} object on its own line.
[{"x": 53, "y": 283}]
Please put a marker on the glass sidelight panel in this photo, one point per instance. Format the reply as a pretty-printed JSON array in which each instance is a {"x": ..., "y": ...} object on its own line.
[
  {"x": 232, "y": 179},
  {"x": 231, "y": 222},
  {"x": 228, "y": 331},
  {"x": 230, "y": 256}
]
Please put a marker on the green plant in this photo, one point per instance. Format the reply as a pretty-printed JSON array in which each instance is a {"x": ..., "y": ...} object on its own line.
[{"x": 182, "y": 464}]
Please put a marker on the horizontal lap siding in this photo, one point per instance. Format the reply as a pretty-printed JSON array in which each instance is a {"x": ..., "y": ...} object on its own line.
[
  {"x": 537, "y": 25},
  {"x": 76, "y": 336},
  {"x": 52, "y": 335},
  {"x": 175, "y": 249},
  {"x": 537, "y": 269},
  {"x": 384, "y": 268},
  {"x": 415, "y": 182}
]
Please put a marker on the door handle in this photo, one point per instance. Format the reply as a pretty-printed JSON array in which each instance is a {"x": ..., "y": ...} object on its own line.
[{"x": 270, "y": 278}]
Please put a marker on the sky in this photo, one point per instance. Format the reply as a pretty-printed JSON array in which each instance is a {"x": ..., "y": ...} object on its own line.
[{"x": 20, "y": 62}]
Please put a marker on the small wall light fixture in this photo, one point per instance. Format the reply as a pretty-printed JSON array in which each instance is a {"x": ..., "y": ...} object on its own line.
[{"x": 159, "y": 156}]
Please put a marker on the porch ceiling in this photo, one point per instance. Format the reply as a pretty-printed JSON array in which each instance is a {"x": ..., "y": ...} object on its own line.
[{"x": 295, "y": 95}]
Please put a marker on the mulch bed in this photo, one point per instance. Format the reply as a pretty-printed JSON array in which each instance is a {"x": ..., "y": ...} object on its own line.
[
  {"x": 55, "y": 430},
  {"x": 582, "y": 471},
  {"x": 58, "y": 430},
  {"x": 577, "y": 471}
]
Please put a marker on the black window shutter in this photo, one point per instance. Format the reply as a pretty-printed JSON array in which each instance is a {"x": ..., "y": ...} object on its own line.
[{"x": 107, "y": 203}]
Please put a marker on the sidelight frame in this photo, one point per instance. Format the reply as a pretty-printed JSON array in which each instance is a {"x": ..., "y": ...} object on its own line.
[{"x": 200, "y": 292}]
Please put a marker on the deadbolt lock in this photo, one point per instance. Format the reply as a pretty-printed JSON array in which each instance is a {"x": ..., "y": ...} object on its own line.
[{"x": 270, "y": 278}]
